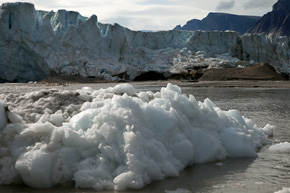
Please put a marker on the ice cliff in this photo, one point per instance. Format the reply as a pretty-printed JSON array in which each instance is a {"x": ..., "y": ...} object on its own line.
[{"x": 35, "y": 44}]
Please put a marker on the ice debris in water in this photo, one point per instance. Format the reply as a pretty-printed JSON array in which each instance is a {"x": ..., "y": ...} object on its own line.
[
  {"x": 281, "y": 147},
  {"x": 3, "y": 119},
  {"x": 116, "y": 138}
]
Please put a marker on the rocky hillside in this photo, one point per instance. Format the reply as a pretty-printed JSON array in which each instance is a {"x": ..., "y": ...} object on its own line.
[
  {"x": 221, "y": 22},
  {"x": 262, "y": 71},
  {"x": 275, "y": 22}
]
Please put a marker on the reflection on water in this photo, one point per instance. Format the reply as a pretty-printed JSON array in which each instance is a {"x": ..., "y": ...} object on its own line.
[{"x": 267, "y": 173}]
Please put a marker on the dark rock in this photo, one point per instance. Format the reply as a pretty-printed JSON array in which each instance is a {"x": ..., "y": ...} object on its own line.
[
  {"x": 196, "y": 74},
  {"x": 275, "y": 22},
  {"x": 151, "y": 75}
]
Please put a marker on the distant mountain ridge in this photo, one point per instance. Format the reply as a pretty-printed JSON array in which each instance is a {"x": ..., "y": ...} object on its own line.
[
  {"x": 275, "y": 22},
  {"x": 221, "y": 22}
]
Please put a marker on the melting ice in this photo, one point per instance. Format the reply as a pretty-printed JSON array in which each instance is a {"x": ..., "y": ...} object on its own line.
[
  {"x": 281, "y": 147},
  {"x": 116, "y": 138}
]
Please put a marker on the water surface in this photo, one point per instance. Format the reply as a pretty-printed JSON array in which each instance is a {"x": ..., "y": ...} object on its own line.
[{"x": 267, "y": 173}]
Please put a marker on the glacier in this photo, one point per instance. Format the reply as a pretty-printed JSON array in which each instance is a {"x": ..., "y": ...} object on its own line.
[
  {"x": 115, "y": 137},
  {"x": 35, "y": 44}
]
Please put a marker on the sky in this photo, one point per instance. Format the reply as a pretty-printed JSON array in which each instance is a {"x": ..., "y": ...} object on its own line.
[{"x": 153, "y": 14}]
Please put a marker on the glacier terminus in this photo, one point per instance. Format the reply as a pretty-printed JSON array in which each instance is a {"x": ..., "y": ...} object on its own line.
[{"x": 35, "y": 44}]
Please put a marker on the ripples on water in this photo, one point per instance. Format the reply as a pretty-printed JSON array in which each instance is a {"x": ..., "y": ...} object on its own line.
[{"x": 267, "y": 173}]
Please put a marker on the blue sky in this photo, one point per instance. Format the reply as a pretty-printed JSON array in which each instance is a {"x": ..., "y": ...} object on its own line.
[{"x": 154, "y": 14}]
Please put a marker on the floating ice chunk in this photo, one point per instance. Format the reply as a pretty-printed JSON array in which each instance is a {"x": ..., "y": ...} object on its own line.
[
  {"x": 84, "y": 96},
  {"x": 281, "y": 147},
  {"x": 171, "y": 87},
  {"x": 268, "y": 130},
  {"x": 128, "y": 180},
  {"x": 35, "y": 168},
  {"x": 88, "y": 90},
  {"x": 124, "y": 88},
  {"x": 219, "y": 164},
  {"x": 85, "y": 93}
]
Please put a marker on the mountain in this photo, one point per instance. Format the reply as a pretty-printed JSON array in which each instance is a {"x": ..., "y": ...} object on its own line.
[
  {"x": 37, "y": 44},
  {"x": 275, "y": 22},
  {"x": 221, "y": 22}
]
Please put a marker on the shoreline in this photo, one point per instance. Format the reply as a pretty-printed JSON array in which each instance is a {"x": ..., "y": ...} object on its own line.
[
  {"x": 244, "y": 84},
  {"x": 202, "y": 83},
  {"x": 162, "y": 83}
]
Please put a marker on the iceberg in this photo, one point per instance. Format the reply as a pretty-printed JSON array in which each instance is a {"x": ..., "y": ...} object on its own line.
[
  {"x": 116, "y": 138},
  {"x": 35, "y": 44},
  {"x": 280, "y": 147}
]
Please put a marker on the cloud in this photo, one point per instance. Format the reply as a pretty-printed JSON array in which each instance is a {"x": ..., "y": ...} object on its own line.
[
  {"x": 153, "y": 17},
  {"x": 134, "y": 14},
  {"x": 225, "y": 5},
  {"x": 254, "y": 4}
]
